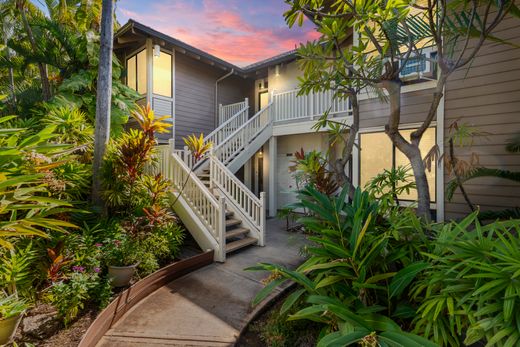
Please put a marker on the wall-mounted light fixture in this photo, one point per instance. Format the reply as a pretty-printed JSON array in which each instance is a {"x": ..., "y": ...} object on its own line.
[
  {"x": 277, "y": 70},
  {"x": 260, "y": 154},
  {"x": 156, "y": 50}
]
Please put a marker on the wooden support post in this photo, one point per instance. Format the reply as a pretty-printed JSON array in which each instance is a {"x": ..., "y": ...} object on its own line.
[
  {"x": 261, "y": 236},
  {"x": 221, "y": 253}
]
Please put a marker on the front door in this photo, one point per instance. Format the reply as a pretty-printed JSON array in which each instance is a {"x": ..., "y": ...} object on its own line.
[{"x": 263, "y": 99}]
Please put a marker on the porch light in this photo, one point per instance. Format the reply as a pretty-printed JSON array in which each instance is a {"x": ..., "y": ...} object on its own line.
[
  {"x": 156, "y": 50},
  {"x": 277, "y": 70}
]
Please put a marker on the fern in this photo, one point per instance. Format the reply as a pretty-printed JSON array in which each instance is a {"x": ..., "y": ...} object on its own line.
[{"x": 481, "y": 172}]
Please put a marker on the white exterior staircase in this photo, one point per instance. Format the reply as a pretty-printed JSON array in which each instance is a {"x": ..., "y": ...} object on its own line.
[{"x": 216, "y": 207}]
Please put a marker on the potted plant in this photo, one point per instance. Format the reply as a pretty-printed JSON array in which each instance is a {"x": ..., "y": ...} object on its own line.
[
  {"x": 122, "y": 257},
  {"x": 11, "y": 312}
]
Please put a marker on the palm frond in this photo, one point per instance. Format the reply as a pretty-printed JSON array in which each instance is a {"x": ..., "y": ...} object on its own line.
[{"x": 481, "y": 172}]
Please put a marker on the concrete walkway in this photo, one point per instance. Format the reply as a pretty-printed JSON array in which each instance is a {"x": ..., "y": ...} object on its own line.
[{"x": 208, "y": 307}]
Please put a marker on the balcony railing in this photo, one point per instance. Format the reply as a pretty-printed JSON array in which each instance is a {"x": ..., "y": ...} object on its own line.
[{"x": 289, "y": 105}]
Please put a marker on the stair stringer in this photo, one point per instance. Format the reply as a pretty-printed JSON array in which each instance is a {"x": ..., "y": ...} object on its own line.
[
  {"x": 238, "y": 161},
  {"x": 197, "y": 229}
]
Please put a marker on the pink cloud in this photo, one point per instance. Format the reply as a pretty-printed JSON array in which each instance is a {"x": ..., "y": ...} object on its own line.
[{"x": 223, "y": 28}]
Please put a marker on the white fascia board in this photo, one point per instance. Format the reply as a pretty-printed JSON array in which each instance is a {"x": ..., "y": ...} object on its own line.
[{"x": 304, "y": 126}]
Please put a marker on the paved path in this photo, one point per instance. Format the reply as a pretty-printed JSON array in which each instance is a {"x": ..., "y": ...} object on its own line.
[{"x": 208, "y": 307}]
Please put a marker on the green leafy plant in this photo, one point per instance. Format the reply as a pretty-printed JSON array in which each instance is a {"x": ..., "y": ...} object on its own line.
[
  {"x": 11, "y": 306},
  {"x": 17, "y": 268},
  {"x": 123, "y": 251},
  {"x": 470, "y": 293},
  {"x": 389, "y": 185},
  {"x": 69, "y": 297},
  {"x": 355, "y": 279}
]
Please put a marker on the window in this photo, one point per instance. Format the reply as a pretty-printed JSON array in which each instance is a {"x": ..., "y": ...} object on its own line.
[
  {"x": 136, "y": 74},
  {"x": 162, "y": 74},
  {"x": 378, "y": 153}
]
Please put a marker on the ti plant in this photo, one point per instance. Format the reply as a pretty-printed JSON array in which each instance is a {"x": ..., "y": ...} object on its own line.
[
  {"x": 355, "y": 279},
  {"x": 197, "y": 146}
]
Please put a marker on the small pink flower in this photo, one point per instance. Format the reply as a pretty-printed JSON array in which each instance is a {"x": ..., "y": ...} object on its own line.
[
  {"x": 77, "y": 268},
  {"x": 98, "y": 244},
  {"x": 97, "y": 269}
]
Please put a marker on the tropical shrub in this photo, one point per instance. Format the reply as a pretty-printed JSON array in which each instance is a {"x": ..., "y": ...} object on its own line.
[
  {"x": 11, "y": 306},
  {"x": 125, "y": 182},
  {"x": 470, "y": 292},
  {"x": 355, "y": 279},
  {"x": 69, "y": 296}
]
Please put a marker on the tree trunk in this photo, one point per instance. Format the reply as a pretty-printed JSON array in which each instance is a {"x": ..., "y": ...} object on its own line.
[
  {"x": 421, "y": 182},
  {"x": 46, "y": 87},
  {"x": 346, "y": 155},
  {"x": 103, "y": 102},
  {"x": 410, "y": 150}
]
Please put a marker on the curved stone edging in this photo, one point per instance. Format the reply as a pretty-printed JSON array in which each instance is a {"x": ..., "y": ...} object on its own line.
[
  {"x": 265, "y": 305},
  {"x": 138, "y": 291}
]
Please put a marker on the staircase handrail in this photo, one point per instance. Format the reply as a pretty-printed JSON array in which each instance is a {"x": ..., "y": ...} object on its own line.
[
  {"x": 211, "y": 136},
  {"x": 237, "y": 192},
  {"x": 196, "y": 194},
  {"x": 250, "y": 120}
]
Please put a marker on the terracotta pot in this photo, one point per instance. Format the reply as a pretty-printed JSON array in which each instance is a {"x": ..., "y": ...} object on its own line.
[
  {"x": 8, "y": 328},
  {"x": 121, "y": 275}
]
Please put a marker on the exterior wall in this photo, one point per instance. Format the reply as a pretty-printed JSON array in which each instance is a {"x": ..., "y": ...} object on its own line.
[
  {"x": 195, "y": 96},
  {"x": 487, "y": 97},
  {"x": 286, "y": 80},
  {"x": 414, "y": 106},
  {"x": 234, "y": 89}
]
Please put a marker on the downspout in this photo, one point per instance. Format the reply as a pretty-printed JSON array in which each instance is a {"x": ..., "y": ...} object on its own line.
[{"x": 216, "y": 93}]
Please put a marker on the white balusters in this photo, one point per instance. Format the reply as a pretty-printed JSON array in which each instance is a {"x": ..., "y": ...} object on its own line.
[
  {"x": 289, "y": 105},
  {"x": 241, "y": 137},
  {"x": 196, "y": 195},
  {"x": 226, "y": 112},
  {"x": 238, "y": 194}
]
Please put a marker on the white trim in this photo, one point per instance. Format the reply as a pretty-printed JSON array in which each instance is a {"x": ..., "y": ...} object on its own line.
[
  {"x": 149, "y": 71},
  {"x": 401, "y": 127},
  {"x": 407, "y": 88},
  {"x": 355, "y": 162},
  {"x": 303, "y": 126},
  {"x": 174, "y": 101},
  {"x": 440, "y": 168},
  {"x": 273, "y": 182},
  {"x": 439, "y": 181}
]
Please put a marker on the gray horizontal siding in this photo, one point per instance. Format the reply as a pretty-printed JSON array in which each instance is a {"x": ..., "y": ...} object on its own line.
[
  {"x": 195, "y": 96},
  {"x": 414, "y": 106},
  {"x": 486, "y": 96}
]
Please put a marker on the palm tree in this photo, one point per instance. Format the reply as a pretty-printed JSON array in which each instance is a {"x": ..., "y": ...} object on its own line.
[
  {"x": 22, "y": 5},
  {"x": 104, "y": 94}
]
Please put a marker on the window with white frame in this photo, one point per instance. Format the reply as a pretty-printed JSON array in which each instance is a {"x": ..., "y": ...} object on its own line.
[
  {"x": 136, "y": 72},
  {"x": 377, "y": 153},
  {"x": 162, "y": 74}
]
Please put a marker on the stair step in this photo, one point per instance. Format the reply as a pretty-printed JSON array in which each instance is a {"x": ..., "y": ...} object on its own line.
[
  {"x": 229, "y": 213},
  {"x": 236, "y": 232},
  {"x": 246, "y": 241},
  {"x": 232, "y": 222}
]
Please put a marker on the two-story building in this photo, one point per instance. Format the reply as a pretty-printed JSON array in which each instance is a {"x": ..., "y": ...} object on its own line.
[{"x": 256, "y": 122}]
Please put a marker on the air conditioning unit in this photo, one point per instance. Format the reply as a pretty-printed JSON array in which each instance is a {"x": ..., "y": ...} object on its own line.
[{"x": 418, "y": 66}]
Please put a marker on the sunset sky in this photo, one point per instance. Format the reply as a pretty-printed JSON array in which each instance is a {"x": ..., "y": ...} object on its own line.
[{"x": 239, "y": 31}]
